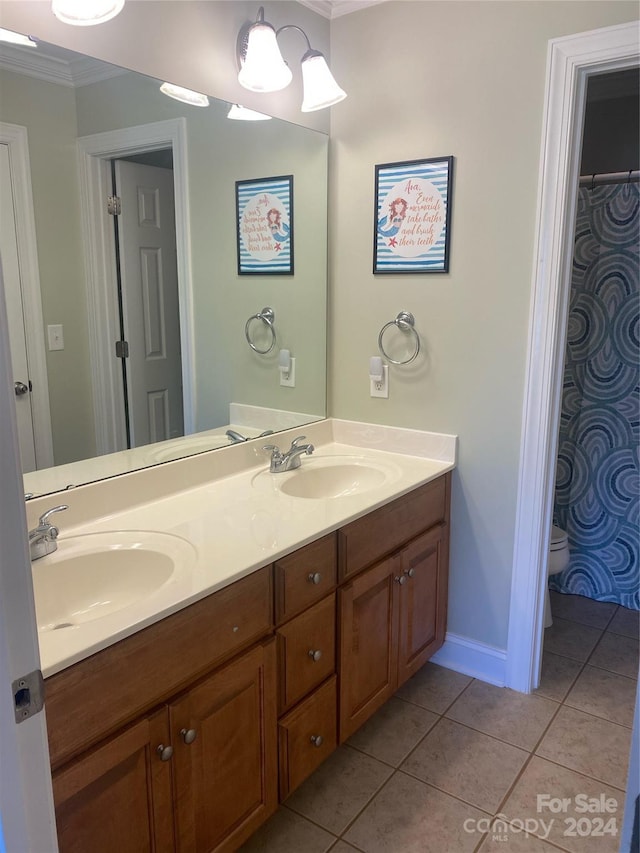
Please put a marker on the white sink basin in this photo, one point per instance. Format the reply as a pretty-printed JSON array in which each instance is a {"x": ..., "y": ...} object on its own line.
[
  {"x": 320, "y": 478},
  {"x": 98, "y": 574}
]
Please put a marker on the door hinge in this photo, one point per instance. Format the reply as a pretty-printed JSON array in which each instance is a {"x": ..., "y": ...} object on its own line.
[
  {"x": 28, "y": 695},
  {"x": 114, "y": 205},
  {"x": 122, "y": 349}
]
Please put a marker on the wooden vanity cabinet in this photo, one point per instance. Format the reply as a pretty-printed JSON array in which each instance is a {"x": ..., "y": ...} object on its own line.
[
  {"x": 119, "y": 796},
  {"x": 197, "y": 771},
  {"x": 392, "y": 616},
  {"x": 183, "y": 736}
]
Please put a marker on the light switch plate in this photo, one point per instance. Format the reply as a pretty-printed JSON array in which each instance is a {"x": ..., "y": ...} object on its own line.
[{"x": 56, "y": 337}]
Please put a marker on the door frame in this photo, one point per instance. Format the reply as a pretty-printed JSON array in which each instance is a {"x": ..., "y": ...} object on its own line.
[
  {"x": 94, "y": 154},
  {"x": 26, "y": 800},
  {"x": 15, "y": 136},
  {"x": 571, "y": 61}
]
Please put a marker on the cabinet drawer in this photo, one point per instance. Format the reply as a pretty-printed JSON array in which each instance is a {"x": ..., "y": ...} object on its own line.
[
  {"x": 306, "y": 651},
  {"x": 370, "y": 538},
  {"x": 305, "y": 577},
  {"x": 114, "y": 686},
  {"x": 306, "y": 736}
]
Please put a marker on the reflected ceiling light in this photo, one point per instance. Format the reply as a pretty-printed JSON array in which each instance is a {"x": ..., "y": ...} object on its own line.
[
  {"x": 240, "y": 113},
  {"x": 17, "y": 38},
  {"x": 262, "y": 68},
  {"x": 85, "y": 13},
  {"x": 187, "y": 96}
]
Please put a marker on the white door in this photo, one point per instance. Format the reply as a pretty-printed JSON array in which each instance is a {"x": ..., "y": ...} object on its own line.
[
  {"x": 15, "y": 314},
  {"x": 149, "y": 281},
  {"x": 26, "y": 803}
]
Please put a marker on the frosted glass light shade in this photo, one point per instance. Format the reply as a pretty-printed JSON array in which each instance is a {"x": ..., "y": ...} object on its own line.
[
  {"x": 263, "y": 68},
  {"x": 240, "y": 113},
  {"x": 85, "y": 13},
  {"x": 187, "y": 96},
  {"x": 319, "y": 86}
]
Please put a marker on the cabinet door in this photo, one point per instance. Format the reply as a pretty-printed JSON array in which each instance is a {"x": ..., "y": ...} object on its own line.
[
  {"x": 423, "y": 601},
  {"x": 118, "y": 797},
  {"x": 368, "y": 609},
  {"x": 225, "y": 760}
]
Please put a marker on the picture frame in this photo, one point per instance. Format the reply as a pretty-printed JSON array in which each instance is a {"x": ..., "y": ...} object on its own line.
[
  {"x": 264, "y": 225},
  {"x": 412, "y": 216}
]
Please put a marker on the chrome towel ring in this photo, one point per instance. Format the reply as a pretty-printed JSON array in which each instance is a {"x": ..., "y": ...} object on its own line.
[
  {"x": 405, "y": 321},
  {"x": 267, "y": 316}
]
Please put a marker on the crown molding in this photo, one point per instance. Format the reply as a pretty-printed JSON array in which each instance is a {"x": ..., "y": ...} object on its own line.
[
  {"x": 336, "y": 8},
  {"x": 72, "y": 73}
]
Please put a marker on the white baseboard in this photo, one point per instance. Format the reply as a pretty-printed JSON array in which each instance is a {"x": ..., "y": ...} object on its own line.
[{"x": 472, "y": 658}]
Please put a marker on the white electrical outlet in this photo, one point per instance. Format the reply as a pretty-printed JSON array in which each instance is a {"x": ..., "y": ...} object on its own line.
[
  {"x": 380, "y": 389},
  {"x": 289, "y": 380}
]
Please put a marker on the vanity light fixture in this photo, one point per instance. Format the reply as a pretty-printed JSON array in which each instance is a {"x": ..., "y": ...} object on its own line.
[
  {"x": 240, "y": 113},
  {"x": 86, "y": 13},
  {"x": 187, "y": 96},
  {"x": 17, "y": 38},
  {"x": 262, "y": 68}
]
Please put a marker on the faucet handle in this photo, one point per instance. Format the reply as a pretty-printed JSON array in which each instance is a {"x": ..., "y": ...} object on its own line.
[
  {"x": 44, "y": 518},
  {"x": 272, "y": 448},
  {"x": 296, "y": 441}
]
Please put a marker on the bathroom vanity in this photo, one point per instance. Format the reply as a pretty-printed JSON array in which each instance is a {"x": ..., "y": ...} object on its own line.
[{"x": 188, "y": 731}]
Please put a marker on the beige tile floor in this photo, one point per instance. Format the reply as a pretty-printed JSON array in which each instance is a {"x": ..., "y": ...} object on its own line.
[{"x": 450, "y": 756}]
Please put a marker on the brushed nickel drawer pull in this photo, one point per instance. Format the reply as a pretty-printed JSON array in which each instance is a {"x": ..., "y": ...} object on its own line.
[
  {"x": 314, "y": 578},
  {"x": 165, "y": 752},
  {"x": 315, "y": 654},
  {"x": 316, "y": 740}
]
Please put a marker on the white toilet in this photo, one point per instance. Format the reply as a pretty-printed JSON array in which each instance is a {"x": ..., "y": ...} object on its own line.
[{"x": 558, "y": 560}]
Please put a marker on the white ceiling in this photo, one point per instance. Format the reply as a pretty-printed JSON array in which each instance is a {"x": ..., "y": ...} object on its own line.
[{"x": 336, "y": 8}]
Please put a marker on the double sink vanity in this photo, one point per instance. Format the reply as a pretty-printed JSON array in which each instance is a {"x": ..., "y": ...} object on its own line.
[{"x": 211, "y": 630}]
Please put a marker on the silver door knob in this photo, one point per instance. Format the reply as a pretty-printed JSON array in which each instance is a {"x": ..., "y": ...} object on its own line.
[
  {"x": 315, "y": 654},
  {"x": 316, "y": 740},
  {"x": 20, "y": 388},
  {"x": 315, "y": 578},
  {"x": 400, "y": 579},
  {"x": 188, "y": 735},
  {"x": 409, "y": 572},
  {"x": 165, "y": 752}
]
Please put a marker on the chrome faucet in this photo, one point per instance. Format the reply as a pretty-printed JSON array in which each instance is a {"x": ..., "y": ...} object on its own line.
[
  {"x": 238, "y": 438},
  {"x": 281, "y": 462},
  {"x": 42, "y": 539}
]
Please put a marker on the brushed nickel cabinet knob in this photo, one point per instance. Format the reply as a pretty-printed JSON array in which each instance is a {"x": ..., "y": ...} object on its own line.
[{"x": 165, "y": 752}]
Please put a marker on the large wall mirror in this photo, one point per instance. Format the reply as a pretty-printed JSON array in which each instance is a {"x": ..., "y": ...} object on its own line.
[{"x": 162, "y": 275}]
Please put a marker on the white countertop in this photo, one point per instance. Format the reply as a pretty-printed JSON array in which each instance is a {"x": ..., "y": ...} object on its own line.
[{"x": 235, "y": 516}]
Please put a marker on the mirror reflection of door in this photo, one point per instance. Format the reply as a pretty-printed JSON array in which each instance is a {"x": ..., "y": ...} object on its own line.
[
  {"x": 15, "y": 313},
  {"x": 148, "y": 297}
]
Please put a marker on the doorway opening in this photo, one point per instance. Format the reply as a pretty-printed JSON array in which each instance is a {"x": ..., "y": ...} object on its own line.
[
  {"x": 149, "y": 414},
  {"x": 572, "y": 61}
]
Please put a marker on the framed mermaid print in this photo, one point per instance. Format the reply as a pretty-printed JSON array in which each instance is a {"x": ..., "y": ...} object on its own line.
[
  {"x": 264, "y": 221},
  {"x": 412, "y": 225}
]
